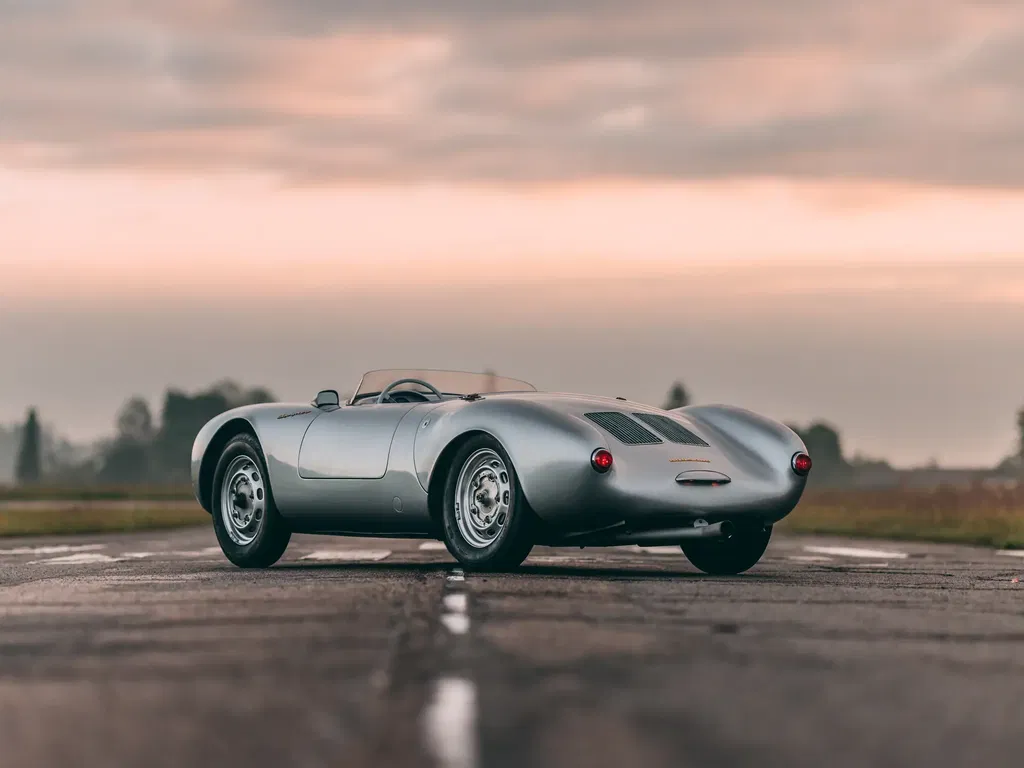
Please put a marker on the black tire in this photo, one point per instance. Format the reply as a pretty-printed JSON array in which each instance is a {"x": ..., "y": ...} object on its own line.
[
  {"x": 272, "y": 532},
  {"x": 513, "y": 541},
  {"x": 728, "y": 557}
]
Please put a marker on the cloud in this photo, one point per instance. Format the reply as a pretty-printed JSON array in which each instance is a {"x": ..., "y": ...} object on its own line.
[{"x": 486, "y": 90}]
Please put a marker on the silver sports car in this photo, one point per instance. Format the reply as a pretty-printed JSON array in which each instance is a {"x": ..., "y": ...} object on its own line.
[{"x": 491, "y": 466}]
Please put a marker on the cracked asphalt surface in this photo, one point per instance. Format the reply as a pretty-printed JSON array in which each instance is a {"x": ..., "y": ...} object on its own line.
[{"x": 152, "y": 650}]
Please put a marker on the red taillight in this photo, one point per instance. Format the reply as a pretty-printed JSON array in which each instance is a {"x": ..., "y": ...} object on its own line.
[
  {"x": 801, "y": 464},
  {"x": 601, "y": 460}
]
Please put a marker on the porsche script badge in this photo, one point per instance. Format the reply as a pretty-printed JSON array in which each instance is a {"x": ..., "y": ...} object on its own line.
[{"x": 289, "y": 415}]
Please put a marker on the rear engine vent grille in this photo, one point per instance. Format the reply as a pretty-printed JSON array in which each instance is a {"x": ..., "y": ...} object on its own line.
[
  {"x": 623, "y": 428},
  {"x": 671, "y": 430}
]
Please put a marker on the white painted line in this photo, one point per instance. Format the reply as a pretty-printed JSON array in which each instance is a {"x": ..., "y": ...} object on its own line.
[
  {"x": 433, "y": 546},
  {"x": 450, "y": 723},
  {"x": 455, "y": 602},
  {"x": 456, "y": 623},
  {"x": 457, "y": 574},
  {"x": 137, "y": 555},
  {"x": 810, "y": 559},
  {"x": 661, "y": 550},
  {"x": 54, "y": 549},
  {"x": 456, "y": 619},
  {"x": 80, "y": 558},
  {"x": 1011, "y": 552},
  {"x": 561, "y": 559},
  {"x": 347, "y": 554},
  {"x": 870, "y": 565},
  {"x": 856, "y": 552},
  {"x": 151, "y": 578}
]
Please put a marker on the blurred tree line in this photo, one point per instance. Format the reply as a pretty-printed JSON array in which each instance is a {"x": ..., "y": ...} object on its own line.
[
  {"x": 33, "y": 450},
  {"x": 145, "y": 450},
  {"x": 142, "y": 451},
  {"x": 160, "y": 455}
]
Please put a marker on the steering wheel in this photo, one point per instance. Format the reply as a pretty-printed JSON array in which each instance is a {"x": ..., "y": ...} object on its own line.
[{"x": 387, "y": 390}]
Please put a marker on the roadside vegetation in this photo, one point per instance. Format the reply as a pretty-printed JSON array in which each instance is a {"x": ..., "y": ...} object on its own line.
[
  {"x": 983, "y": 516},
  {"x": 979, "y": 515},
  {"x": 17, "y": 519},
  {"x": 95, "y": 493}
]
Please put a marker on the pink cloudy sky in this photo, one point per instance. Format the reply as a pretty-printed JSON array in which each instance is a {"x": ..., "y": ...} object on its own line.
[{"x": 809, "y": 207}]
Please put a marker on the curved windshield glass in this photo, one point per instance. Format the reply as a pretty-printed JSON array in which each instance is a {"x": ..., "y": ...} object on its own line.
[{"x": 447, "y": 382}]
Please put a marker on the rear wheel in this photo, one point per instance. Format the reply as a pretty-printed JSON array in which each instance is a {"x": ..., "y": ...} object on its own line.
[
  {"x": 727, "y": 557},
  {"x": 487, "y": 524},
  {"x": 249, "y": 529}
]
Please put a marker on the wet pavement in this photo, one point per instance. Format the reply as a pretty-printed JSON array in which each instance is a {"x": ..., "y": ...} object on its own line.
[{"x": 150, "y": 649}]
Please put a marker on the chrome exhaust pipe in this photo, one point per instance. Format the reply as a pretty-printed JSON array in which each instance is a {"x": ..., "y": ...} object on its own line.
[{"x": 722, "y": 530}]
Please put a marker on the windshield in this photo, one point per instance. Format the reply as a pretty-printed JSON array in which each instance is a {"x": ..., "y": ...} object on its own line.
[{"x": 448, "y": 382}]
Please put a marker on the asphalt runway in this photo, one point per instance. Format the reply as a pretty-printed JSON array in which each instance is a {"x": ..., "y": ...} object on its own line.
[{"x": 152, "y": 650}]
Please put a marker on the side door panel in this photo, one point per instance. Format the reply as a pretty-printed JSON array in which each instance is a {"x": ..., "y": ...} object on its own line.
[{"x": 352, "y": 442}]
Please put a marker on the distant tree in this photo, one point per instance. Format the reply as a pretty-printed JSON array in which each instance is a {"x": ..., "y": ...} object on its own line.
[
  {"x": 257, "y": 395},
  {"x": 677, "y": 397},
  {"x": 29, "y": 466},
  {"x": 235, "y": 395},
  {"x": 823, "y": 444},
  {"x": 135, "y": 421},
  {"x": 184, "y": 415},
  {"x": 1020, "y": 434},
  {"x": 128, "y": 460},
  {"x": 826, "y": 450}
]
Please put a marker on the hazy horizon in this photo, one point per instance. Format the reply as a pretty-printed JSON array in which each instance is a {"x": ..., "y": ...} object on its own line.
[{"x": 899, "y": 358}]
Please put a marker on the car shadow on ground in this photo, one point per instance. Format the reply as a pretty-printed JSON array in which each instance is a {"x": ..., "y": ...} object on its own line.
[{"x": 567, "y": 571}]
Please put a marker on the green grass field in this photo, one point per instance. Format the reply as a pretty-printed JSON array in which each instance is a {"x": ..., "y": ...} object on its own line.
[
  {"x": 983, "y": 516},
  {"x": 98, "y": 518},
  {"x": 96, "y": 493}
]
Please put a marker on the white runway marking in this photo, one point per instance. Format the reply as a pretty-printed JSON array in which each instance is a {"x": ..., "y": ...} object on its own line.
[
  {"x": 450, "y": 718},
  {"x": 54, "y": 549},
  {"x": 151, "y": 579},
  {"x": 810, "y": 558},
  {"x": 347, "y": 554},
  {"x": 857, "y": 552},
  {"x": 433, "y": 546},
  {"x": 669, "y": 550},
  {"x": 455, "y": 619},
  {"x": 1011, "y": 552},
  {"x": 456, "y": 602},
  {"x": 456, "y": 623},
  {"x": 450, "y": 722},
  {"x": 80, "y": 558},
  {"x": 138, "y": 555}
]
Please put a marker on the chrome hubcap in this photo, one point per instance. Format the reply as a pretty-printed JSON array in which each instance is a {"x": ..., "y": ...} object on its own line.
[
  {"x": 482, "y": 495},
  {"x": 243, "y": 500}
]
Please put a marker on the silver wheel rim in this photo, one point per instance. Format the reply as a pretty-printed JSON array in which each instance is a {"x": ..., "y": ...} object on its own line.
[
  {"x": 482, "y": 496},
  {"x": 243, "y": 500}
]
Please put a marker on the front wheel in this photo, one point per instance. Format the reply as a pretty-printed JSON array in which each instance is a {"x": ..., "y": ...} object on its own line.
[
  {"x": 728, "y": 557},
  {"x": 250, "y": 531},
  {"x": 487, "y": 523}
]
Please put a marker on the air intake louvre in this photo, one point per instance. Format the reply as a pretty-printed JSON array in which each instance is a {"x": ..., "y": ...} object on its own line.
[
  {"x": 623, "y": 428},
  {"x": 670, "y": 429}
]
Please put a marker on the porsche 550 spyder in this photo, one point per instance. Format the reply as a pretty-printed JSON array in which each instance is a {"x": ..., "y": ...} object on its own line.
[{"x": 491, "y": 466}]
